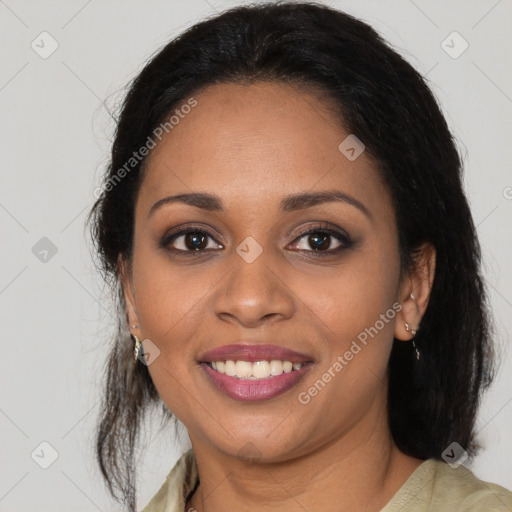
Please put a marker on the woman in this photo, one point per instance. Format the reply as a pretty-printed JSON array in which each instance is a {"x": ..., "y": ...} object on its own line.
[{"x": 297, "y": 273}]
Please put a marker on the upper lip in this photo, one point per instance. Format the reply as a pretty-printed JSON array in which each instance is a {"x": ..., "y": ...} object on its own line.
[{"x": 253, "y": 352}]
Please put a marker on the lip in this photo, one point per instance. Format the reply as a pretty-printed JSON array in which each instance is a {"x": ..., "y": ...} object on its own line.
[
  {"x": 247, "y": 390},
  {"x": 252, "y": 353}
]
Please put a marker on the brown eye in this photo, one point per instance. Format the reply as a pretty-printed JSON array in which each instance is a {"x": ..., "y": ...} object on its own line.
[
  {"x": 190, "y": 240},
  {"x": 322, "y": 240},
  {"x": 195, "y": 241}
]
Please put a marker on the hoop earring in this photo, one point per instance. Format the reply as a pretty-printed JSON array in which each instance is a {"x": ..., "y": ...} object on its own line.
[
  {"x": 413, "y": 332},
  {"x": 136, "y": 351}
]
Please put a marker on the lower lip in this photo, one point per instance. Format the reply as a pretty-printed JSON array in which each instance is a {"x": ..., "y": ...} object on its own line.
[{"x": 248, "y": 390}]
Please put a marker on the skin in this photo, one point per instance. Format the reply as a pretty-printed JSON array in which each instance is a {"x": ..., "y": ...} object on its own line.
[{"x": 251, "y": 145}]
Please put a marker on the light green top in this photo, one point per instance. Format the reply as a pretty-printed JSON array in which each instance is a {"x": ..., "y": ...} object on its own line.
[{"x": 433, "y": 487}]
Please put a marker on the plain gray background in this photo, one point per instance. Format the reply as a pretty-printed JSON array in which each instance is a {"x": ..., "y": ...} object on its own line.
[{"x": 55, "y": 137}]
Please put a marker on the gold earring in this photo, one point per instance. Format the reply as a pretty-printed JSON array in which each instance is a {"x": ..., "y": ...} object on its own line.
[{"x": 413, "y": 332}]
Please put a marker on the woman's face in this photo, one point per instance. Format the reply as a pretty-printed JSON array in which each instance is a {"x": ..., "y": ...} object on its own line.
[{"x": 257, "y": 280}]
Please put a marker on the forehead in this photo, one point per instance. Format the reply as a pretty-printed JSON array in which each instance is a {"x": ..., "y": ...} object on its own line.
[{"x": 260, "y": 140}]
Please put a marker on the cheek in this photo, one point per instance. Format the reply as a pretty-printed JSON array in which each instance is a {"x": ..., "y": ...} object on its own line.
[
  {"x": 170, "y": 309},
  {"x": 357, "y": 310},
  {"x": 357, "y": 293},
  {"x": 169, "y": 297}
]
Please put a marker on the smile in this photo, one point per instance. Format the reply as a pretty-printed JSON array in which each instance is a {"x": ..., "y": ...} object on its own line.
[{"x": 254, "y": 372}]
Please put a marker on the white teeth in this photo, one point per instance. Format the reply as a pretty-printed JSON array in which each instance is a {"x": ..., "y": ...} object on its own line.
[
  {"x": 230, "y": 368},
  {"x": 243, "y": 369},
  {"x": 257, "y": 370},
  {"x": 276, "y": 367},
  {"x": 261, "y": 369}
]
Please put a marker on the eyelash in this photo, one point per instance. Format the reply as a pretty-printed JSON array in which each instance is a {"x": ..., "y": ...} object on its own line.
[{"x": 342, "y": 237}]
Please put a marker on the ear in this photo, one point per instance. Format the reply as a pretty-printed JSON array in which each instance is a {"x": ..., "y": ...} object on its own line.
[
  {"x": 415, "y": 291},
  {"x": 123, "y": 269}
]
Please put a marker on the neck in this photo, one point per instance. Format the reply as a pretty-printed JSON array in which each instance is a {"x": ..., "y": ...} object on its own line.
[{"x": 362, "y": 470}]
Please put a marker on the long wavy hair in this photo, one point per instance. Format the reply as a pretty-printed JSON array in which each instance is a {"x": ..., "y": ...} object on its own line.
[{"x": 387, "y": 104}]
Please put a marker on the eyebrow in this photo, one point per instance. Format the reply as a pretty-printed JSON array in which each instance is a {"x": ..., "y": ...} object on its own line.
[{"x": 290, "y": 203}]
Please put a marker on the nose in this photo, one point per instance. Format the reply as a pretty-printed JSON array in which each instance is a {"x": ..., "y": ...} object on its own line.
[{"x": 253, "y": 293}]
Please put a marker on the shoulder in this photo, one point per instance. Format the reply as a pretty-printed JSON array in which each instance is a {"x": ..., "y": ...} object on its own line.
[
  {"x": 179, "y": 483},
  {"x": 470, "y": 492},
  {"x": 434, "y": 485}
]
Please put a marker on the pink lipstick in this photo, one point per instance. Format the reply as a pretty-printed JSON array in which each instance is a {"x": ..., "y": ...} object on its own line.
[{"x": 253, "y": 373}]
